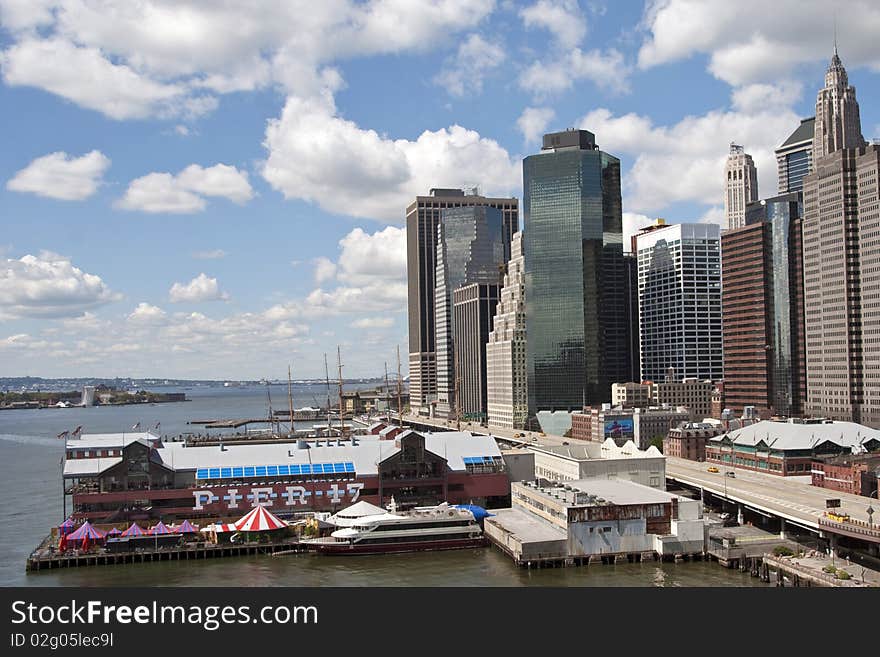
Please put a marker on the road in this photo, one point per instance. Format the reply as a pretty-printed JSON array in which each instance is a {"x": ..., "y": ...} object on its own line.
[{"x": 786, "y": 497}]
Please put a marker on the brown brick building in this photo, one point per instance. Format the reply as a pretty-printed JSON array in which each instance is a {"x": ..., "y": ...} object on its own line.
[
  {"x": 851, "y": 473},
  {"x": 689, "y": 440}
]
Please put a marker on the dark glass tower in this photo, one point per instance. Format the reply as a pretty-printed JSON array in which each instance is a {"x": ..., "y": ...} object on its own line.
[{"x": 578, "y": 317}]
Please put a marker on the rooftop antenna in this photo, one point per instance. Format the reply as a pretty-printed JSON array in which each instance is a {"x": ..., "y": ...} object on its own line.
[
  {"x": 290, "y": 401},
  {"x": 327, "y": 377}
]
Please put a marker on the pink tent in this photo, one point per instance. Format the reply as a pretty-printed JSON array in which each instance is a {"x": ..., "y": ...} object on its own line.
[
  {"x": 134, "y": 530},
  {"x": 160, "y": 528},
  {"x": 259, "y": 520},
  {"x": 185, "y": 528},
  {"x": 86, "y": 530}
]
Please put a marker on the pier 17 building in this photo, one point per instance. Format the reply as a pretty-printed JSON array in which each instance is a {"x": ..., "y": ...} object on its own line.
[{"x": 140, "y": 476}]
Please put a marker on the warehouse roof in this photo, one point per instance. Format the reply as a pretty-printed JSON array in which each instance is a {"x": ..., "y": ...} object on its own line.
[{"x": 802, "y": 436}]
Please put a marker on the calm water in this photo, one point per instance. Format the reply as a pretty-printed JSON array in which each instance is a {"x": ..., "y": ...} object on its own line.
[{"x": 30, "y": 486}]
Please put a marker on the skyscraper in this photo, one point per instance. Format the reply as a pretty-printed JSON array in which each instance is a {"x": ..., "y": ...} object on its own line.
[
  {"x": 473, "y": 307},
  {"x": 506, "y": 389},
  {"x": 841, "y": 256},
  {"x": 422, "y": 217},
  {"x": 680, "y": 302},
  {"x": 741, "y": 185},
  {"x": 762, "y": 299},
  {"x": 576, "y": 307},
  {"x": 794, "y": 158},
  {"x": 471, "y": 247},
  {"x": 838, "y": 125}
]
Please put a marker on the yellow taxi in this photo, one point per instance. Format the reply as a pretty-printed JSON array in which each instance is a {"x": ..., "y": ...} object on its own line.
[{"x": 712, "y": 469}]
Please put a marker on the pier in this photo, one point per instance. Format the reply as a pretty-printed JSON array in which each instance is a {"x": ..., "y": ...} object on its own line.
[{"x": 46, "y": 560}]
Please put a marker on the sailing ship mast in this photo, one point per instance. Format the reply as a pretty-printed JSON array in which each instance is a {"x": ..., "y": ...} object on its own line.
[
  {"x": 387, "y": 392},
  {"x": 341, "y": 413},
  {"x": 399, "y": 406},
  {"x": 327, "y": 377},
  {"x": 290, "y": 401}
]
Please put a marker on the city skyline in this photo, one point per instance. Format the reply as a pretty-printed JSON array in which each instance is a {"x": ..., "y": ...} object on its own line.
[{"x": 216, "y": 212}]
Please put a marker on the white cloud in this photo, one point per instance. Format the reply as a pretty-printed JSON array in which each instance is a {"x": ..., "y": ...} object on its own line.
[
  {"x": 182, "y": 130},
  {"x": 164, "y": 59},
  {"x": 795, "y": 33},
  {"x": 533, "y": 122},
  {"x": 325, "y": 269},
  {"x": 685, "y": 161},
  {"x": 607, "y": 70},
  {"x": 214, "y": 254},
  {"x": 632, "y": 224},
  {"x": 201, "y": 288},
  {"x": 761, "y": 97},
  {"x": 465, "y": 72},
  {"x": 375, "y": 258},
  {"x": 563, "y": 18},
  {"x": 364, "y": 174},
  {"x": 49, "y": 285},
  {"x": 84, "y": 76},
  {"x": 62, "y": 176},
  {"x": 185, "y": 193},
  {"x": 146, "y": 313},
  {"x": 373, "y": 323}
]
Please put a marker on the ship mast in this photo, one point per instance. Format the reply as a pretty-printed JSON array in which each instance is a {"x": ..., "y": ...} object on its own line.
[
  {"x": 341, "y": 414},
  {"x": 387, "y": 392},
  {"x": 327, "y": 377},
  {"x": 290, "y": 401},
  {"x": 399, "y": 406}
]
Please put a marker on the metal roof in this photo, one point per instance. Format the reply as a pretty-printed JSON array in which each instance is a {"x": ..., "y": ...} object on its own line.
[
  {"x": 105, "y": 440},
  {"x": 804, "y": 132},
  {"x": 83, "y": 467},
  {"x": 792, "y": 436}
]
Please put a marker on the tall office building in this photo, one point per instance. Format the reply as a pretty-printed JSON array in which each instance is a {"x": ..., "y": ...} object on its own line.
[
  {"x": 762, "y": 301},
  {"x": 741, "y": 185},
  {"x": 576, "y": 308},
  {"x": 470, "y": 249},
  {"x": 507, "y": 398},
  {"x": 838, "y": 125},
  {"x": 474, "y": 307},
  {"x": 841, "y": 256},
  {"x": 680, "y": 302},
  {"x": 422, "y": 217},
  {"x": 794, "y": 159}
]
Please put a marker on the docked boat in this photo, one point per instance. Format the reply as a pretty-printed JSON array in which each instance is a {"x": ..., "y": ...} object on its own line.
[{"x": 367, "y": 529}]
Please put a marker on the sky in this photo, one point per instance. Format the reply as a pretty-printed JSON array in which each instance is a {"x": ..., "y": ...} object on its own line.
[{"x": 216, "y": 189}]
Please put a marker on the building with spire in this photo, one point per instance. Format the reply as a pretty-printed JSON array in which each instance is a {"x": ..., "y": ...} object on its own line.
[
  {"x": 741, "y": 186},
  {"x": 841, "y": 245},
  {"x": 837, "y": 125},
  {"x": 507, "y": 391}
]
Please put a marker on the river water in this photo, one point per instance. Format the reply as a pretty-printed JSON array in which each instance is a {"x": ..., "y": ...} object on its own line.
[{"x": 30, "y": 487}]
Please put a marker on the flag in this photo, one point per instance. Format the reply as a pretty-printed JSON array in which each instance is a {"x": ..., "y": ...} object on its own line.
[
  {"x": 136, "y": 426},
  {"x": 157, "y": 425},
  {"x": 77, "y": 431},
  {"x": 63, "y": 434}
]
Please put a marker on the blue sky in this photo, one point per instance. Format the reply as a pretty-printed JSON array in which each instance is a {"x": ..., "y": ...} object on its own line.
[{"x": 213, "y": 190}]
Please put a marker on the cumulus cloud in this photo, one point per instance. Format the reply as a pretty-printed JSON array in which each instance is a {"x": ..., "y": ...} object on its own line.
[
  {"x": 201, "y": 288},
  {"x": 533, "y": 122},
  {"x": 685, "y": 161},
  {"x": 607, "y": 70},
  {"x": 146, "y": 313},
  {"x": 325, "y": 269},
  {"x": 48, "y": 285},
  {"x": 563, "y": 18},
  {"x": 361, "y": 173},
  {"x": 464, "y": 73},
  {"x": 741, "y": 52},
  {"x": 62, "y": 176},
  {"x": 373, "y": 323},
  {"x": 117, "y": 58},
  {"x": 185, "y": 193}
]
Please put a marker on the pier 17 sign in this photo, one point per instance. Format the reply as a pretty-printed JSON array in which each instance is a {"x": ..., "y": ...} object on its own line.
[{"x": 217, "y": 498}]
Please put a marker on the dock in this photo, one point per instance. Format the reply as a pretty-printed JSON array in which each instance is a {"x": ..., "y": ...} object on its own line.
[{"x": 45, "y": 560}]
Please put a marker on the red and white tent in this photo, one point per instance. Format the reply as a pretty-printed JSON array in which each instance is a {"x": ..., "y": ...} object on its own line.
[{"x": 259, "y": 520}]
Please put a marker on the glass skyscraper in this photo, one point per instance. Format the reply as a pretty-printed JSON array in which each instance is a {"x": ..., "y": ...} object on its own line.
[{"x": 576, "y": 302}]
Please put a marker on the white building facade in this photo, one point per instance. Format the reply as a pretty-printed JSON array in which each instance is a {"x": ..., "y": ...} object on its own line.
[{"x": 741, "y": 186}]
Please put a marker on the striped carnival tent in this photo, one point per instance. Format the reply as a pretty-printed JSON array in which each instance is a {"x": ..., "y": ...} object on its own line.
[
  {"x": 259, "y": 520},
  {"x": 185, "y": 527},
  {"x": 86, "y": 530},
  {"x": 66, "y": 527},
  {"x": 159, "y": 528},
  {"x": 114, "y": 532},
  {"x": 219, "y": 527},
  {"x": 134, "y": 530}
]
